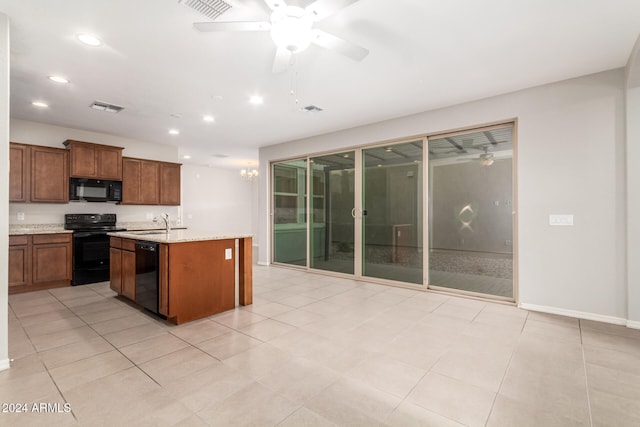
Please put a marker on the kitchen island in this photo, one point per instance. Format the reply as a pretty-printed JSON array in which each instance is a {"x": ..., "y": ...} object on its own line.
[{"x": 195, "y": 271}]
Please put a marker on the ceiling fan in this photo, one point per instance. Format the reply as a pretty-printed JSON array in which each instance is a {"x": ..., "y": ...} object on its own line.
[
  {"x": 486, "y": 158},
  {"x": 292, "y": 30}
]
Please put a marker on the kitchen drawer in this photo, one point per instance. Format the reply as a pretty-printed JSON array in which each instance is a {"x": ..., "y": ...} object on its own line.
[
  {"x": 18, "y": 240},
  {"x": 115, "y": 242},
  {"x": 129, "y": 245},
  {"x": 43, "y": 239}
]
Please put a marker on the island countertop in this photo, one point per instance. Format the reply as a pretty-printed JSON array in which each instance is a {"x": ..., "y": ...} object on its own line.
[{"x": 178, "y": 236}]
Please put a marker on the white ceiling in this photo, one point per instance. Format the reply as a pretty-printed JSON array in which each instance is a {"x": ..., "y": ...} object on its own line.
[{"x": 424, "y": 54}]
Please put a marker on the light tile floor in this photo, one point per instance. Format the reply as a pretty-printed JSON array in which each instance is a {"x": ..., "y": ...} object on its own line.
[{"x": 316, "y": 351}]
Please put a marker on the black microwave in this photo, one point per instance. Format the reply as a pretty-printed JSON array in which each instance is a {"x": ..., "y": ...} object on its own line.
[{"x": 95, "y": 190}]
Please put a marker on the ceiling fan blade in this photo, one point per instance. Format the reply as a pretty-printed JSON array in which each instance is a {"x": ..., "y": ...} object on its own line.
[
  {"x": 232, "y": 26},
  {"x": 348, "y": 49},
  {"x": 321, "y": 9},
  {"x": 275, "y": 4},
  {"x": 281, "y": 60}
]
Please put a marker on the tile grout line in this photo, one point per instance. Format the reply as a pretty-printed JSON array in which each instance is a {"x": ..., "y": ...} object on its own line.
[
  {"x": 505, "y": 371},
  {"x": 586, "y": 379}
]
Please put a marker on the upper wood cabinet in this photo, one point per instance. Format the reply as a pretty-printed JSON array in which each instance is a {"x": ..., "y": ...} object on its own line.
[
  {"x": 140, "y": 181},
  {"x": 18, "y": 173},
  {"x": 149, "y": 182},
  {"x": 38, "y": 174},
  {"x": 89, "y": 160},
  {"x": 49, "y": 175},
  {"x": 170, "y": 184}
]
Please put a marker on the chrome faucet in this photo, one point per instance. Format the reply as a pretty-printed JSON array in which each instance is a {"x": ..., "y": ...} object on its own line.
[{"x": 165, "y": 218}]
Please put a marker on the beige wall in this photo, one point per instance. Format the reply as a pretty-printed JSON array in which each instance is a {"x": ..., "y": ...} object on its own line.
[
  {"x": 570, "y": 161},
  {"x": 633, "y": 186}
]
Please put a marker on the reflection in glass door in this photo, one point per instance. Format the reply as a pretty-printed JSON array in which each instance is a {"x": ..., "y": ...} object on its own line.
[
  {"x": 331, "y": 205},
  {"x": 392, "y": 212},
  {"x": 471, "y": 211},
  {"x": 289, "y": 186}
]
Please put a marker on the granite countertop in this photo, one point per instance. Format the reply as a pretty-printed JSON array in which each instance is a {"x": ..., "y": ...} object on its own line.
[
  {"x": 178, "y": 236},
  {"x": 16, "y": 230}
]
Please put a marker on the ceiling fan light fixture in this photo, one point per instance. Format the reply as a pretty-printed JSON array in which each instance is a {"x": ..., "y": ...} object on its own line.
[
  {"x": 291, "y": 29},
  {"x": 486, "y": 161}
]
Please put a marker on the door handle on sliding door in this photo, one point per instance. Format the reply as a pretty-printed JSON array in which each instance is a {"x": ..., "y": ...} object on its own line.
[{"x": 353, "y": 213}]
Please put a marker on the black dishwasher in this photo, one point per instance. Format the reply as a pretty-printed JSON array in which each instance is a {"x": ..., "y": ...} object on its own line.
[{"x": 147, "y": 283}]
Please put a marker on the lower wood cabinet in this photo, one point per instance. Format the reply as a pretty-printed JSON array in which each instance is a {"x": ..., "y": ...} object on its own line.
[
  {"x": 19, "y": 264},
  {"x": 122, "y": 266},
  {"x": 39, "y": 261}
]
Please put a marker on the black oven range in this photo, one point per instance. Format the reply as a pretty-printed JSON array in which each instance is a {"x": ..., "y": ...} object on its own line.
[{"x": 90, "y": 246}]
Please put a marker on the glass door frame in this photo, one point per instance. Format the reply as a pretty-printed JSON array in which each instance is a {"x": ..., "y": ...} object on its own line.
[
  {"x": 514, "y": 125},
  {"x": 358, "y": 210},
  {"x": 358, "y": 258}
]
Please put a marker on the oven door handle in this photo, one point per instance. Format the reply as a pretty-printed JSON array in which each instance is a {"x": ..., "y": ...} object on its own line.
[{"x": 89, "y": 234}]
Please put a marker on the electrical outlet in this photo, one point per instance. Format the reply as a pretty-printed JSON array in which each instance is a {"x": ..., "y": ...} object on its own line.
[
  {"x": 20, "y": 216},
  {"x": 149, "y": 215}
]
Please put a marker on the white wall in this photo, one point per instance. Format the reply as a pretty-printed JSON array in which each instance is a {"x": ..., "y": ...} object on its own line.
[
  {"x": 217, "y": 199},
  {"x": 570, "y": 160},
  {"x": 4, "y": 190},
  {"x": 633, "y": 186},
  {"x": 28, "y": 132}
]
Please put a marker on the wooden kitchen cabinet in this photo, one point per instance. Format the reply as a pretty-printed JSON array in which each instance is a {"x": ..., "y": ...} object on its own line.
[
  {"x": 122, "y": 266},
  {"x": 18, "y": 173},
  {"x": 170, "y": 184},
  {"x": 39, "y": 261},
  {"x": 140, "y": 181},
  {"x": 51, "y": 258},
  {"x": 97, "y": 161},
  {"x": 19, "y": 265},
  {"x": 38, "y": 174},
  {"x": 49, "y": 175}
]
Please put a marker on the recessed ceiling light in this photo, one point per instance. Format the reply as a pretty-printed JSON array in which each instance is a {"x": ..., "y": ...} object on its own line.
[
  {"x": 256, "y": 100},
  {"x": 89, "y": 39},
  {"x": 58, "y": 79},
  {"x": 208, "y": 118},
  {"x": 174, "y": 131},
  {"x": 186, "y": 156},
  {"x": 39, "y": 104}
]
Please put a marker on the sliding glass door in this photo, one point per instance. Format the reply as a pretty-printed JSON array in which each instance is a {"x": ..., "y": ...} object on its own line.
[
  {"x": 471, "y": 212},
  {"x": 392, "y": 212},
  {"x": 331, "y": 205},
  {"x": 434, "y": 212},
  {"x": 289, "y": 214}
]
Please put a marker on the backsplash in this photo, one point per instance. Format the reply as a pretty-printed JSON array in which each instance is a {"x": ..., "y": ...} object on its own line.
[{"x": 22, "y": 214}]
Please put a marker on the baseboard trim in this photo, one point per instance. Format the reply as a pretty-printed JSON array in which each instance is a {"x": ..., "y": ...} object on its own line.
[
  {"x": 4, "y": 364},
  {"x": 633, "y": 324},
  {"x": 577, "y": 314},
  {"x": 265, "y": 264}
]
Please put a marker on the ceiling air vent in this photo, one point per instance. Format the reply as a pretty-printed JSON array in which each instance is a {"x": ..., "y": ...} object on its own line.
[
  {"x": 105, "y": 106},
  {"x": 209, "y": 8},
  {"x": 312, "y": 109}
]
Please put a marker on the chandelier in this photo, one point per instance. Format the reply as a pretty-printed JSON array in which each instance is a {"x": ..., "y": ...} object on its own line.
[{"x": 248, "y": 173}]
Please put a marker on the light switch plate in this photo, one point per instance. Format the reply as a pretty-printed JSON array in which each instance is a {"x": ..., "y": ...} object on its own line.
[
  {"x": 561, "y": 219},
  {"x": 228, "y": 253}
]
